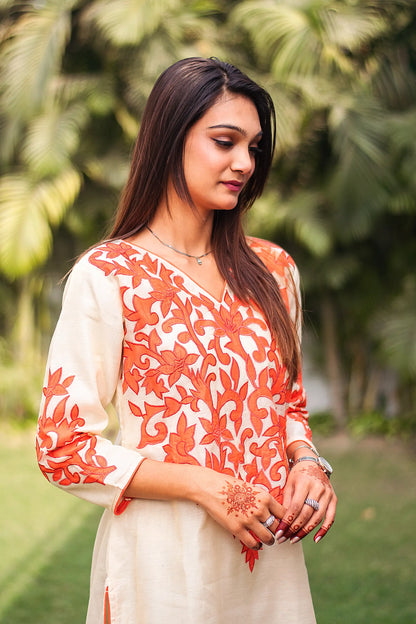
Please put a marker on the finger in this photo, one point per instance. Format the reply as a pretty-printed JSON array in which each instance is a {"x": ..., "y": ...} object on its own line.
[
  {"x": 283, "y": 529},
  {"x": 254, "y": 542},
  {"x": 329, "y": 520},
  {"x": 289, "y": 523},
  {"x": 322, "y": 532},
  {"x": 326, "y": 509},
  {"x": 304, "y": 531},
  {"x": 276, "y": 509},
  {"x": 264, "y": 529}
]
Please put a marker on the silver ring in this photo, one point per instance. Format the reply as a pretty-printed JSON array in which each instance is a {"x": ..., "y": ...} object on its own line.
[
  {"x": 269, "y": 521},
  {"x": 312, "y": 503}
]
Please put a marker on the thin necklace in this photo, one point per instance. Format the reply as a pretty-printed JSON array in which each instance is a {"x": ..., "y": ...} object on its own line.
[{"x": 183, "y": 253}]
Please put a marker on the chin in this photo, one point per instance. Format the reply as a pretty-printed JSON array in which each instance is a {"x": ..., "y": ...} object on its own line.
[{"x": 227, "y": 207}]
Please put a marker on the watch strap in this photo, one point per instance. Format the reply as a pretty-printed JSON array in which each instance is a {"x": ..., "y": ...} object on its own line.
[{"x": 317, "y": 460}]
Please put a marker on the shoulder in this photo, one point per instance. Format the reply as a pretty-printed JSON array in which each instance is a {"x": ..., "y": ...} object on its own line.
[
  {"x": 276, "y": 259},
  {"x": 108, "y": 257},
  {"x": 284, "y": 270},
  {"x": 97, "y": 269}
]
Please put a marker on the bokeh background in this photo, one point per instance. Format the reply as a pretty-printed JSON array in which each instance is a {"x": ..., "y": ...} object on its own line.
[{"x": 341, "y": 198}]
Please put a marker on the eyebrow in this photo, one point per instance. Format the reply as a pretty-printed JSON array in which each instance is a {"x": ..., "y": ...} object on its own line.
[{"x": 236, "y": 128}]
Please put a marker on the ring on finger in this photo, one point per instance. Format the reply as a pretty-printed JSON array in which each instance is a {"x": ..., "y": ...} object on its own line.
[
  {"x": 267, "y": 523},
  {"x": 312, "y": 503}
]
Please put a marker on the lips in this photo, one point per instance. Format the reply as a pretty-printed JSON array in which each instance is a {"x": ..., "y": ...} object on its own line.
[{"x": 233, "y": 185}]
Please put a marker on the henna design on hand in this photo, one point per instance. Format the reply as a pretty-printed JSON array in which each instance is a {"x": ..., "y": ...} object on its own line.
[
  {"x": 316, "y": 473},
  {"x": 240, "y": 498}
]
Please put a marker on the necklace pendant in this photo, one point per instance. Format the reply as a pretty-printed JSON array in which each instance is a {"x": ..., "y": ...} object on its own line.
[{"x": 198, "y": 260}]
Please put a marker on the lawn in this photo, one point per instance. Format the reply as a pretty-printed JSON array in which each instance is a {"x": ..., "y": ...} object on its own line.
[{"x": 364, "y": 571}]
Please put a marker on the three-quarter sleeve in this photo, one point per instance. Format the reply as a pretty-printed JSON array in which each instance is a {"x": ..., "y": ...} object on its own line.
[{"x": 81, "y": 378}]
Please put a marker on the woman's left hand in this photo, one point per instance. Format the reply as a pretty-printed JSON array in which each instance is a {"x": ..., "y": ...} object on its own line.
[{"x": 306, "y": 480}]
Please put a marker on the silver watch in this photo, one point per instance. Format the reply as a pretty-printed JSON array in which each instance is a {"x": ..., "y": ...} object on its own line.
[{"x": 321, "y": 461}]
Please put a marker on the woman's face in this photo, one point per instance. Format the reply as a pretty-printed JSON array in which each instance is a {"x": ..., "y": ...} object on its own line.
[{"x": 219, "y": 155}]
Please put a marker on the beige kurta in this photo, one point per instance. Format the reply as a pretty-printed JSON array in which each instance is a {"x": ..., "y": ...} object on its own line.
[{"x": 193, "y": 380}]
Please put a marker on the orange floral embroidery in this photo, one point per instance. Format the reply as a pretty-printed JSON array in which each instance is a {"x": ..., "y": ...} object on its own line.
[
  {"x": 65, "y": 454},
  {"x": 251, "y": 556},
  {"x": 203, "y": 379}
]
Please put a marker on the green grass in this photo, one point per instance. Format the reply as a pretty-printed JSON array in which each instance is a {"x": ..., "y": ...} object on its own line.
[
  {"x": 46, "y": 541},
  {"x": 363, "y": 571}
]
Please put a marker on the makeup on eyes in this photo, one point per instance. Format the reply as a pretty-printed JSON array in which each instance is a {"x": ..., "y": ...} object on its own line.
[{"x": 226, "y": 142}]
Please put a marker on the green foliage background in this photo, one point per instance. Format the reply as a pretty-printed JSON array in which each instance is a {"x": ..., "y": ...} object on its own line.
[{"x": 74, "y": 77}]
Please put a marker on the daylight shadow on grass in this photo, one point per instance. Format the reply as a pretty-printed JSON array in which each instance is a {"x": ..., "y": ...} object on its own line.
[{"x": 59, "y": 592}]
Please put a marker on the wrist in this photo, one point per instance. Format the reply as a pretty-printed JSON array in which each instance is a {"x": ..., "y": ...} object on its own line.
[
  {"x": 300, "y": 449},
  {"x": 319, "y": 460},
  {"x": 201, "y": 483}
]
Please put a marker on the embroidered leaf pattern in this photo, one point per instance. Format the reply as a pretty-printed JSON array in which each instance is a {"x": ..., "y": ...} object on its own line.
[
  {"x": 202, "y": 379},
  {"x": 65, "y": 454}
]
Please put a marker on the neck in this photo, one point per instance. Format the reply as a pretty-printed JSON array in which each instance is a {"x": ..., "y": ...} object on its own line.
[{"x": 184, "y": 228}]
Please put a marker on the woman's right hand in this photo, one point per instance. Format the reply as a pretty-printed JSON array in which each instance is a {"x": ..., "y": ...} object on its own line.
[{"x": 239, "y": 507}]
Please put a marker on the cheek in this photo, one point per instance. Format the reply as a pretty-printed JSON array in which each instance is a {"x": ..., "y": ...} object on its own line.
[{"x": 200, "y": 164}]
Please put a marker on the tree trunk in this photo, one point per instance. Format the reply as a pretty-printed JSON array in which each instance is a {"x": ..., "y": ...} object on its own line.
[{"x": 333, "y": 361}]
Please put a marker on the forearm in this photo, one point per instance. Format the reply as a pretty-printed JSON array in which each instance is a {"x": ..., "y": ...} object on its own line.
[
  {"x": 239, "y": 507},
  {"x": 158, "y": 480}
]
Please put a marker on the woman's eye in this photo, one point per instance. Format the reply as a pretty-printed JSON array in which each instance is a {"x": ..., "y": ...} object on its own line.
[
  {"x": 255, "y": 149},
  {"x": 223, "y": 143}
]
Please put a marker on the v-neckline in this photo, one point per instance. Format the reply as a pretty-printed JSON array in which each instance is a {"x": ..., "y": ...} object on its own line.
[{"x": 179, "y": 271}]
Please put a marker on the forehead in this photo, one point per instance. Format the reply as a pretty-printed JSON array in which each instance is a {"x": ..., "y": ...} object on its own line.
[{"x": 232, "y": 109}]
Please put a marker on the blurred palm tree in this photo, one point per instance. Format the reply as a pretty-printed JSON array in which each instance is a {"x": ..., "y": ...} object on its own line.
[
  {"x": 74, "y": 77},
  {"x": 349, "y": 68},
  {"x": 71, "y": 72}
]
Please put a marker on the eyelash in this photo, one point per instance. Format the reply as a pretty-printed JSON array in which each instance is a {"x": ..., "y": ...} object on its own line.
[{"x": 228, "y": 144}]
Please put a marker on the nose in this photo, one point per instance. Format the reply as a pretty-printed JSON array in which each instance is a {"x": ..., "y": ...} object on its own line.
[{"x": 243, "y": 161}]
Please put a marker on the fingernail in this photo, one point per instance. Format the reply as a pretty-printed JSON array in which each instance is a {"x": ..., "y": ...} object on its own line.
[
  {"x": 282, "y": 540},
  {"x": 278, "y": 534},
  {"x": 317, "y": 538},
  {"x": 294, "y": 540}
]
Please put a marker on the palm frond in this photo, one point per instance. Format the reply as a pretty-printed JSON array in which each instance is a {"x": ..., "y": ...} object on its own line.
[
  {"x": 32, "y": 55},
  {"x": 26, "y": 211},
  {"x": 396, "y": 329},
  {"x": 56, "y": 195},
  {"x": 306, "y": 38},
  {"x": 127, "y": 22},
  {"x": 6, "y": 4},
  {"x": 52, "y": 138},
  {"x": 109, "y": 170},
  {"x": 97, "y": 91},
  {"x": 359, "y": 183},
  {"x": 330, "y": 272},
  {"x": 277, "y": 30},
  {"x": 300, "y": 216},
  {"x": 348, "y": 26}
]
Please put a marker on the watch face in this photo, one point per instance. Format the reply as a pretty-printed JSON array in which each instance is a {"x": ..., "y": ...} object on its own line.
[{"x": 326, "y": 465}]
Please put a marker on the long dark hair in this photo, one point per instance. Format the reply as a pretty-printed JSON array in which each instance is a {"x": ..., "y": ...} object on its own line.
[{"x": 180, "y": 97}]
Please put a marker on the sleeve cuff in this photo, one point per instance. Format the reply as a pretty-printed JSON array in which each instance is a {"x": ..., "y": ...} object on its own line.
[{"x": 122, "y": 502}]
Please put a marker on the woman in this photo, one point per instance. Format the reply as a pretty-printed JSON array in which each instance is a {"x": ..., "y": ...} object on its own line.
[{"x": 190, "y": 329}]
